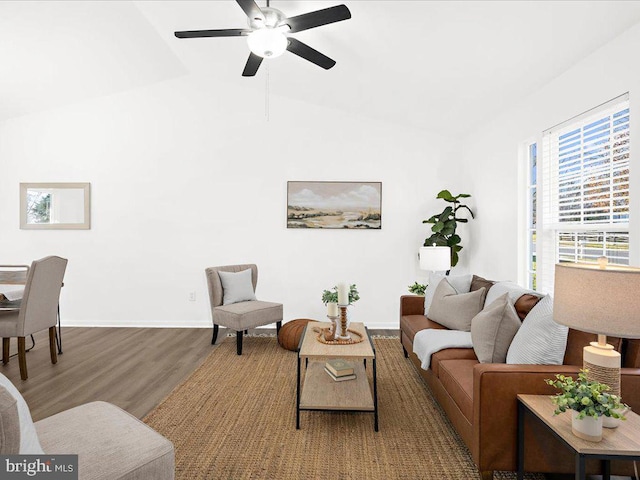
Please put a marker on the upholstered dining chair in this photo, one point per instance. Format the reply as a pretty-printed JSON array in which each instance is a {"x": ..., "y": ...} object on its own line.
[
  {"x": 38, "y": 309},
  {"x": 236, "y": 313}
]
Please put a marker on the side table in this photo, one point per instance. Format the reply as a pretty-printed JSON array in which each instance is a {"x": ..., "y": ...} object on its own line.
[{"x": 622, "y": 443}]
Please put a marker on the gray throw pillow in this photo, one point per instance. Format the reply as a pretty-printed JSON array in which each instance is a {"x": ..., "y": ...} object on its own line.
[
  {"x": 455, "y": 311},
  {"x": 493, "y": 329},
  {"x": 237, "y": 287},
  {"x": 540, "y": 340}
]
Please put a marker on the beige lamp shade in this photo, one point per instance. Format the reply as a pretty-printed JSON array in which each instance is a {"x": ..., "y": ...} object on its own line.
[
  {"x": 603, "y": 301},
  {"x": 435, "y": 259}
]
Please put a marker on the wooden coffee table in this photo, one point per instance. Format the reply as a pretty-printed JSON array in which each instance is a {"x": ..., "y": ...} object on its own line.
[{"x": 320, "y": 392}]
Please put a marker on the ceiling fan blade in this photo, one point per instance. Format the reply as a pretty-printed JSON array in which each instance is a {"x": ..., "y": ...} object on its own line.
[
  {"x": 253, "y": 63},
  {"x": 231, "y": 32},
  {"x": 318, "y": 18},
  {"x": 251, "y": 8},
  {"x": 305, "y": 51}
]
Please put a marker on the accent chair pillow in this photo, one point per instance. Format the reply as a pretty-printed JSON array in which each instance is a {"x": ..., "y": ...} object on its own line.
[
  {"x": 29, "y": 443},
  {"x": 540, "y": 340},
  {"x": 236, "y": 287},
  {"x": 453, "y": 310},
  {"x": 461, "y": 284},
  {"x": 493, "y": 329}
]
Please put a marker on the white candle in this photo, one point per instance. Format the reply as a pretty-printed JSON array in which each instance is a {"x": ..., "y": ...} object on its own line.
[
  {"x": 332, "y": 309},
  {"x": 343, "y": 294}
]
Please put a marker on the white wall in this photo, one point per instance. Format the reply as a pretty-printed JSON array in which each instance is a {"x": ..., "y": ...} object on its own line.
[
  {"x": 491, "y": 154},
  {"x": 184, "y": 177}
]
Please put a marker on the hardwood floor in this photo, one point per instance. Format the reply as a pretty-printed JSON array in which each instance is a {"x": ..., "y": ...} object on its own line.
[{"x": 134, "y": 368}]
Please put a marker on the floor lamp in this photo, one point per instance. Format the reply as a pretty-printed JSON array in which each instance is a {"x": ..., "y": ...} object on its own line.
[{"x": 604, "y": 300}]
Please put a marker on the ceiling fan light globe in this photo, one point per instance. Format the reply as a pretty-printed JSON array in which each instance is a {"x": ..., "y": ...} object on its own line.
[{"x": 267, "y": 42}]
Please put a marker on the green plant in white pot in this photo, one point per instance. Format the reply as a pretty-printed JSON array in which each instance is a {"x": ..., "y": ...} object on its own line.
[
  {"x": 330, "y": 298},
  {"x": 417, "y": 289},
  {"x": 589, "y": 402}
]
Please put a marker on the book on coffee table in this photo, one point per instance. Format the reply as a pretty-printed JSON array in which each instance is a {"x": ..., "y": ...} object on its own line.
[
  {"x": 341, "y": 378},
  {"x": 339, "y": 367}
]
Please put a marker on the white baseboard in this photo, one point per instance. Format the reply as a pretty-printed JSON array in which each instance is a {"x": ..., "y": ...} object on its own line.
[
  {"x": 177, "y": 324},
  {"x": 137, "y": 323}
]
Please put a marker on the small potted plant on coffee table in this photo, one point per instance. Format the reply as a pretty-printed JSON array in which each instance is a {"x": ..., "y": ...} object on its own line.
[{"x": 589, "y": 401}]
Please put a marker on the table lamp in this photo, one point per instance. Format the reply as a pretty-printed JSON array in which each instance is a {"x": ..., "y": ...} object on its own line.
[
  {"x": 599, "y": 299},
  {"x": 435, "y": 258}
]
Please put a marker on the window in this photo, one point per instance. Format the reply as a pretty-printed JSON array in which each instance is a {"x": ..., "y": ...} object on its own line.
[
  {"x": 532, "y": 187},
  {"x": 579, "y": 192}
]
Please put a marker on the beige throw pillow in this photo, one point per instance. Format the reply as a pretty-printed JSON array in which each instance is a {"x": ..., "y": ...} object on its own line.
[
  {"x": 454, "y": 310},
  {"x": 493, "y": 329}
]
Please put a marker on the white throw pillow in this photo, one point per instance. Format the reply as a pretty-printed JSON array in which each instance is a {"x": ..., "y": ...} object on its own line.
[
  {"x": 514, "y": 290},
  {"x": 540, "y": 340},
  {"x": 237, "y": 287},
  {"x": 29, "y": 443},
  {"x": 461, "y": 284}
]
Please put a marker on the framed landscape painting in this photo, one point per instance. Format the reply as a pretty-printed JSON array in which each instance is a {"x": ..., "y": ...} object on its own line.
[{"x": 343, "y": 205}]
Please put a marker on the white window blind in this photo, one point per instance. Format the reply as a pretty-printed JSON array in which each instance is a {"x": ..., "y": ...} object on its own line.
[{"x": 585, "y": 189}]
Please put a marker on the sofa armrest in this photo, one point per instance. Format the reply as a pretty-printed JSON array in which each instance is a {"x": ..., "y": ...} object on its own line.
[
  {"x": 495, "y": 414},
  {"x": 411, "y": 305}
]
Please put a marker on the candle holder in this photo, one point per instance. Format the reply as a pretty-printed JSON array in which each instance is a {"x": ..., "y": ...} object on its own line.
[
  {"x": 342, "y": 324},
  {"x": 330, "y": 333}
]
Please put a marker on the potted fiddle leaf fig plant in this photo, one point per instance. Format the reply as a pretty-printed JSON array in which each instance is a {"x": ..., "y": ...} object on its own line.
[
  {"x": 589, "y": 402},
  {"x": 445, "y": 224}
]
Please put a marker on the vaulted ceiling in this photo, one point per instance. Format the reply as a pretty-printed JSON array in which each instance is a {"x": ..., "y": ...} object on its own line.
[{"x": 437, "y": 65}]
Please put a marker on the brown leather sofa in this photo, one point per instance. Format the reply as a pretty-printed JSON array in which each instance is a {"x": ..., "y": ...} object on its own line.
[{"x": 480, "y": 398}]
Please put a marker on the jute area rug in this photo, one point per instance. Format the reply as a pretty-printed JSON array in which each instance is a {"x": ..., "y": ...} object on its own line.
[{"x": 234, "y": 418}]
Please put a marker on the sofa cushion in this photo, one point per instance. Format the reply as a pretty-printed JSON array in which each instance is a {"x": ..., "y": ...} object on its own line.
[
  {"x": 451, "y": 354},
  {"x": 245, "y": 315},
  {"x": 478, "y": 282},
  {"x": 461, "y": 284},
  {"x": 457, "y": 379},
  {"x": 454, "y": 310},
  {"x": 540, "y": 340},
  {"x": 29, "y": 443},
  {"x": 493, "y": 329},
  {"x": 632, "y": 353},
  {"x": 110, "y": 443},
  {"x": 9, "y": 424},
  {"x": 525, "y": 303},
  {"x": 412, "y": 324},
  {"x": 514, "y": 290}
]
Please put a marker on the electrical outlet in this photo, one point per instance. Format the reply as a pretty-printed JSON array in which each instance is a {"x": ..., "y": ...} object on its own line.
[{"x": 192, "y": 296}]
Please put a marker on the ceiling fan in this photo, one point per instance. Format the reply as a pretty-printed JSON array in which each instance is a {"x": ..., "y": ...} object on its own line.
[{"x": 268, "y": 33}]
